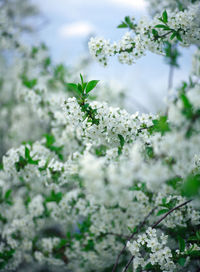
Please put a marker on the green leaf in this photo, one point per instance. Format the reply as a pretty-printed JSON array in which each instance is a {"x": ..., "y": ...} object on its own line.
[
  {"x": 28, "y": 157},
  {"x": 154, "y": 32},
  {"x": 21, "y": 163},
  {"x": 89, "y": 246},
  {"x": 81, "y": 79},
  {"x": 121, "y": 139},
  {"x": 162, "y": 212},
  {"x": 182, "y": 261},
  {"x": 198, "y": 235},
  {"x": 181, "y": 244},
  {"x": 50, "y": 139},
  {"x": 80, "y": 89},
  {"x": 149, "y": 151},
  {"x": 47, "y": 62},
  {"x": 174, "y": 182},
  {"x": 29, "y": 83},
  {"x": 73, "y": 86},
  {"x": 8, "y": 193},
  {"x": 165, "y": 16},
  {"x": 126, "y": 23},
  {"x": 195, "y": 253},
  {"x": 128, "y": 20},
  {"x": 163, "y": 26},
  {"x": 191, "y": 186},
  {"x": 173, "y": 35},
  {"x": 187, "y": 111},
  {"x": 161, "y": 125},
  {"x": 122, "y": 25},
  {"x": 91, "y": 85},
  {"x": 27, "y": 153},
  {"x": 178, "y": 36},
  {"x": 54, "y": 197}
]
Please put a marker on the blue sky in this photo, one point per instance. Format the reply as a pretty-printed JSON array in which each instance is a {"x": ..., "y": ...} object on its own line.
[{"x": 70, "y": 22}]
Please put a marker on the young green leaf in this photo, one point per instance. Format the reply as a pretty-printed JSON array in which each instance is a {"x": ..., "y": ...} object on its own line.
[
  {"x": 173, "y": 35},
  {"x": 161, "y": 125},
  {"x": 121, "y": 139},
  {"x": 122, "y": 25},
  {"x": 162, "y": 212},
  {"x": 74, "y": 87},
  {"x": 178, "y": 36},
  {"x": 29, "y": 83},
  {"x": 182, "y": 261},
  {"x": 154, "y": 32},
  {"x": 181, "y": 244},
  {"x": 165, "y": 16},
  {"x": 27, "y": 153},
  {"x": 163, "y": 26},
  {"x": 128, "y": 20},
  {"x": 81, "y": 79},
  {"x": 91, "y": 85}
]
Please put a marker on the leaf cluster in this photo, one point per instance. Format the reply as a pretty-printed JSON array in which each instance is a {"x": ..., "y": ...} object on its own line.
[
  {"x": 23, "y": 161},
  {"x": 127, "y": 23},
  {"x": 164, "y": 20},
  {"x": 82, "y": 90}
]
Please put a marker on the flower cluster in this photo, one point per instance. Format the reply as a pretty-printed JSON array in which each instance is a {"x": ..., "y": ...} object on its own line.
[
  {"x": 150, "y": 35},
  {"x": 157, "y": 251}
]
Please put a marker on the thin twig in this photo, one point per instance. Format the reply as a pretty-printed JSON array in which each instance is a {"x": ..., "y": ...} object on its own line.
[
  {"x": 158, "y": 222},
  {"x": 129, "y": 262},
  {"x": 177, "y": 207},
  {"x": 130, "y": 237}
]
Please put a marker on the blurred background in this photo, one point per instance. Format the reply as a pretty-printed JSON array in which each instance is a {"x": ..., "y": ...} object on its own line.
[
  {"x": 69, "y": 23},
  {"x": 66, "y": 26}
]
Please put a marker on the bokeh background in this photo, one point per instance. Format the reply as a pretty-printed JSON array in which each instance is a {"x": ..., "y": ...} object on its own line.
[{"x": 66, "y": 26}]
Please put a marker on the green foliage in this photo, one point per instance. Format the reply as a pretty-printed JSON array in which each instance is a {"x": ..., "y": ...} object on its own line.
[
  {"x": 50, "y": 141},
  {"x": 5, "y": 256},
  {"x": 175, "y": 182},
  {"x": 182, "y": 261},
  {"x": 60, "y": 73},
  {"x": 100, "y": 150},
  {"x": 171, "y": 54},
  {"x": 181, "y": 244},
  {"x": 191, "y": 186},
  {"x": 91, "y": 85},
  {"x": 187, "y": 110},
  {"x": 127, "y": 23},
  {"x": 23, "y": 161},
  {"x": 149, "y": 151},
  {"x": 122, "y": 141},
  {"x": 29, "y": 83},
  {"x": 163, "y": 211},
  {"x": 161, "y": 125},
  {"x": 169, "y": 205},
  {"x": 6, "y": 198},
  {"x": 82, "y": 90},
  {"x": 54, "y": 197},
  {"x": 164, "y": 18},
  {"x": 174, "y": 33}
]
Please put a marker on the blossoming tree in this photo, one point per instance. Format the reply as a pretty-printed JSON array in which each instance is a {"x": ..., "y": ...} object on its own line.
[{"x": 98, "y": 188}]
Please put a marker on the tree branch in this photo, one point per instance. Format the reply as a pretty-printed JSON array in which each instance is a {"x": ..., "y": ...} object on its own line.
[
  {"x": 175, "y": 208},
  {"x": 156, "y": 224},
  {"x": 130, "y": 237}
]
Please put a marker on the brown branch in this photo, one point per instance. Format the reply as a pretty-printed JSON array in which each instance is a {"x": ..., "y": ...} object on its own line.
[
  {"x": 156, "y": 224},
  {"x": 175, "y": 208},
  {"x": 130, "y": 237},
  {"x": 129, "y": 262}
]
